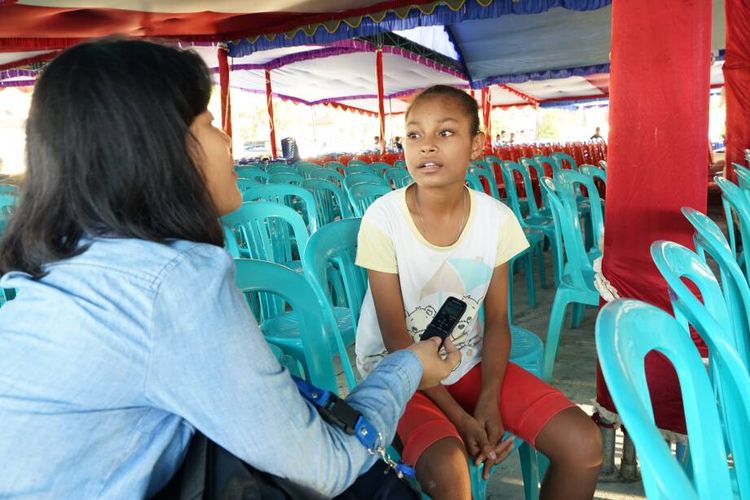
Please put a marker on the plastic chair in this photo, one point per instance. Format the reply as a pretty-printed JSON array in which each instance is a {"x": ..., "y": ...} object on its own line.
[
  {"x": 358, "y": 169},
  {"x": 368, "y": 177},
  {"x": 534, "y": 220},
  {"x": 399, "y": 164},
  {"x": 335, "y": 165},
  {"x": 711, "y": 319},
  {"x": 253, "y": 173},
  {"x": 398, "y": 177},
  {"x": 295, "y": 197},
  {"x": 380, "y": 167},
  {"x": 577, "y": 276},
  {"x": 626, "y": 331},
  {"x": 329, "y": 265},
  {"x": 329, "y": 175},
  {"x": 356, "y": 163},
  {"x": 538, "y": 169},
  {"x": 709, "y": 239},
  {"x": 561, "y": 159},
  {"x": 279, "y": 168},
  {"x": 292, "y": 178},
  {"x": 743, "y": 175},
  {"x": 484, "y": 174},
  {"x": 306, "y": 169},
  {"x": 309, "y": 341},
  {"x": 268, "y": 231},
  {"x": 361, "y": 195},
  {"x": 594, "y": 172},
  {"x": 570, "y": 180},
  {"x": 11, "y": 189},
  {"x": 330, "y": 201},
  {"x": 735, "y": 202}
]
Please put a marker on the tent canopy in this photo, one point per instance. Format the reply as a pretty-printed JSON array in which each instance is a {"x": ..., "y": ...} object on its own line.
[{"x": 538, "y": 52}]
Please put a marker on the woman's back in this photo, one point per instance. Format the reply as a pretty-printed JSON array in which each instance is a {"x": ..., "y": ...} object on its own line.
[{"x": 79, "y": 398}]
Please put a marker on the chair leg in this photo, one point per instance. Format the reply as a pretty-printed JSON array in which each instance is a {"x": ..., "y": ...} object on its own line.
[
  {"x": 559, "y": 304},
  {"x": 529, "y": 470},
  {"x": 540, "y": 258},
  {"x": 530, "y": 290},
  {"x": 576, "y": 315},
  {"x": 478, "y": 483}
]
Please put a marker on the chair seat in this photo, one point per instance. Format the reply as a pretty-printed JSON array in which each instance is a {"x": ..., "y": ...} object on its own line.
[
  {"x": 283, "y": 330},
  {"x": 526, "y": 350}
]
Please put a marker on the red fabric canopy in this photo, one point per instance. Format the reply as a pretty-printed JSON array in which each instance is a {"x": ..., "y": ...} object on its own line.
[{"x": 737, "y": 78}]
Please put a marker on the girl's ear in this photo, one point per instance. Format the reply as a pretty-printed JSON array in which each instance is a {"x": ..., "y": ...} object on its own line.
[{"x": 477, "y": 145}]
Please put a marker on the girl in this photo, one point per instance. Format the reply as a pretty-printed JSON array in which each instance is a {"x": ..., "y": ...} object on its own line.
[
  {"x": 127, "y": 333},
  {"x": 434, "y": 239}
]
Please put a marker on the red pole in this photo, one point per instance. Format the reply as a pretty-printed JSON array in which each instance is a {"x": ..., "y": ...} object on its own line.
[
  {"x": 737, "y": 83},
  {"x": 486, "y": 109},
  {"x": 381, "y": 96},
  {"x": 657, "y": 159},
  {"x": 226, "y": 105},
  {"x": 269, "y": 105}
]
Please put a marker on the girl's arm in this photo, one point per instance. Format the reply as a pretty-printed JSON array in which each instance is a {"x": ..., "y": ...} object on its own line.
[{"x": 389, "y": 306}]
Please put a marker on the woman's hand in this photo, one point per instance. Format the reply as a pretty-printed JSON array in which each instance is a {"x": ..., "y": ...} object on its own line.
[
  {"x": 487, "y": 415},
  {"x": 435, "y": 368}
]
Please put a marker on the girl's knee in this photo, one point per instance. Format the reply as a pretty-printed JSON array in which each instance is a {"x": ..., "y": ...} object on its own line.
[
  {"x": 444, "y": 466},
  {"x": 572, "y": 438}
]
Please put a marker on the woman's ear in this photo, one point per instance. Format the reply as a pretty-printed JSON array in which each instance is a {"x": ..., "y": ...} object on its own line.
[{"x": 477, "y": 145}]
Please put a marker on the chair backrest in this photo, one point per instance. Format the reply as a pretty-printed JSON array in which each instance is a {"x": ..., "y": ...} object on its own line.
[
  {"x": 329, "y": 175},
  {"x": 626, "y": 331},
  {"x": 295, "y": 197},
  {"x": 509, "y": 169},
  {"x": 305, "y": 169},
  {"x": 335, "y": 165},
  {"x": 292, "y": 178},
  {"x": 549, "y": 165},
  {"x": 256, "y": 276},
  {"x": 379, "y": 167},
  {"x": 356, "y": 163},
  {"x": 399, "y": 164},
  {"x": 280, "y": 169},
  {"x": 561, "y": 159},
  {"x": 329, "y": 265},
  {"x": 709, "y": 239},
  {"x": 711, "y": 320},
  {"x": 570, "y": 251},
  {"x": 368, "y": 177},
  {"x": 570, "y": 181},
  {"x": 11, "y": 189},
  {"x": 362, "y": 195},
  {"x": 594, "y": 172},
  {"x": 244, "y": 184},
  {"x": 268, "y": 231},
  {"x": 603, "y": 164},
  {"x": 330, "y": 201},
  {"x": 735, "y": 202},
  {"x": 398, "y": 177},
  {"x": 358, "y": 169},
  {"x": 256, "y": 174},
  {"x": 483, "y": 173},
  {"x": 743, "y": 175}
]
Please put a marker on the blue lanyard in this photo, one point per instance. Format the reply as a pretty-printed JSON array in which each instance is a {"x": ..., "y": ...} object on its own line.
[{"x": 337, "y": 412}]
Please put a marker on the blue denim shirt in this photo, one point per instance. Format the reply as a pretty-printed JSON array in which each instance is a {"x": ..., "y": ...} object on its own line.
[{"x": 111, "y": 361}]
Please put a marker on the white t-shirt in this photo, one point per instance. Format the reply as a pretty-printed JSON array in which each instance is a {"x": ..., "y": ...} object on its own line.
[{"x": 390, "y": 242}]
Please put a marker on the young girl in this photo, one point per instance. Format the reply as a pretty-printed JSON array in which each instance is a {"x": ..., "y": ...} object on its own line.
[
  {"x": 435, "y": 239},
  {"x": 127, "y": 333}
]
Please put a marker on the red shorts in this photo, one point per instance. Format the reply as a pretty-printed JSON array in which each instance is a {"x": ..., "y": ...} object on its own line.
[{"x": 527, "y": 403}]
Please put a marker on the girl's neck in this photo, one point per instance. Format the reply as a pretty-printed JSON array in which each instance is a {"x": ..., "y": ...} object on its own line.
[{"x": 441, "y": 201}]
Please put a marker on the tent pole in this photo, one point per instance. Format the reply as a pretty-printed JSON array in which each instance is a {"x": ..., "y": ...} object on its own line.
[
  {"x": 657, "y": 159},
  {"x": 737, "y": 83},
  {"x": 226, "y": 106},
  {"x": 381, "y": 92},
  {"x": 486, "y": 111},
  {"x": 269, "y": 105}
]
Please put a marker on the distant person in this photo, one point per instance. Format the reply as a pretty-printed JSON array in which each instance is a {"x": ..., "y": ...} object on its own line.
[
  {"x": 397, "y": 145},
  {"x": 597, "y": 135},
  {"x": 512, "y": 138}
]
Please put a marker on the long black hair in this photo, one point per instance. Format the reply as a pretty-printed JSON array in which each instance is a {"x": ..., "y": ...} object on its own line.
[{"x": 109, "y": 153}]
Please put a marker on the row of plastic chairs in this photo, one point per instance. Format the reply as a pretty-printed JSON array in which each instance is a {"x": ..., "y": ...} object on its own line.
[{"x": 717, "y": 402}]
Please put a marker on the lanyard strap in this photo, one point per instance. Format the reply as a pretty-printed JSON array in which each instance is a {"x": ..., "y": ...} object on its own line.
[{"x": 337, "y": 412}]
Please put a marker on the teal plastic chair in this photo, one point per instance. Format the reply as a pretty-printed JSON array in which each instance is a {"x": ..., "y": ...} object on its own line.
[
  {"x": 268, "y": 231},
  {"x": 356, "y": 163},
  {"x": 577, "y": 280},
  {"x": 399, "y": 164},
  {"x": 534, "y": 220},
  {"x": 361, "y": 195},
  {"x": 380, "y": 167},
  {"x": 603, "y": 165},
  {"x": 11, "y": 189},
  {"x": 368, "y": 177},
  {"x": 539, "y": 171},
  {"x": 292, "y": 178},
  {"x": 398, "y": 177},
  {"x": 335, "y": 165},
  {"x": 309, "y": 340},
  {"x": 594, "y": 172},
  {"x": 736, "y": 205},
  {"x": 571, "y": 181},
  {"x": 743, "y": 175},
  {"x": 561, "y": 159},
  {"x": 484, "y": 174},
  {"x": 709, "y": 239},
  {"x": 306, "y": 169},
  {"x": 256, "y": 174},
  {"x": 330, "y": 201},
  {"x": 330, "y": 175},
  {"x": 295, "y": 197},
  {"x": 243, "y": 184},
  {"x": 329, "y": 267},
  {"x": 626, "y": 331},
  {"x": 358, "y": 169},
  {"x": 711, "y": 319},
  {"x": 548, "y": 164},
  {"x": 277, "y": 168}
]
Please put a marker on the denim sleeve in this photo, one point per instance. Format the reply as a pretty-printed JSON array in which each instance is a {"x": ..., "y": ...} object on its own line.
[{"x": 210, "y": 364}]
